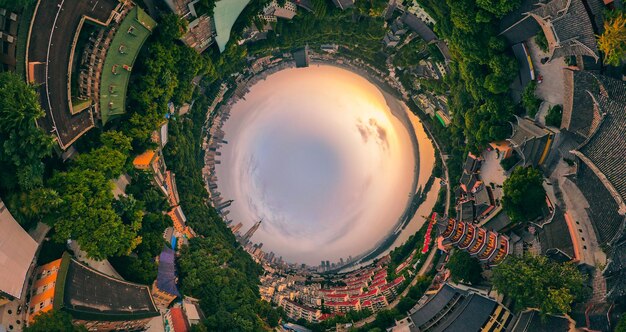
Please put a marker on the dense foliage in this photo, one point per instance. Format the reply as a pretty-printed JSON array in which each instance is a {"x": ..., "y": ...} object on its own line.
[
  {"x": 215, "y": 268},
  {"x": 530, "y": 101},
  {"x": 621, "y": 325},
  {"x": 464, "y": 268},
  {"x": 554, "y": 116},
  {"x": 537, "y": 282},
  {"x": 54, "y": 321},
  {"x": 22, "y": 144},
  {"x": 524, "y": 196},
  {"x": 160, "y": 78},
  {"x": 612, "y": 42},
  {"x": 483, "y": 69}
]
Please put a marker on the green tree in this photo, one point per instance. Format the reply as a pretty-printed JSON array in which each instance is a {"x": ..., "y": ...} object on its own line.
[
  {"x": 35, "y": 205},
  {"x": 54, "y": 321},
  {"x": 104, "y": 160},
  {"x": 499, "y": 7},
  {"x": 464, "y": 268},
  {"x": 621, "y": 325},
  {"x": 542, "y": 41},
  {"x": 537, "y": 282},
  {"x": 116, "y": 140},
  {"x": 22, "y": 143},
  {"x": 524, "y": 196},
  {"x": 530, "y": 101},
  {"x": 87, "y": 216},
  {"x": 554, "y": 116}
]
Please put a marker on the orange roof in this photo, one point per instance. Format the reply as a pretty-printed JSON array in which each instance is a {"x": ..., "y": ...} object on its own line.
[
  {"x": 144, "y": 159},
  {"x": 178, "y": 320}
]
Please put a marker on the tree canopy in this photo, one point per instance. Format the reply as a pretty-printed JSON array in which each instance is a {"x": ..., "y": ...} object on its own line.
[
  {"x": 612, "y": 42},
  {"x": 22, "y": 143},
  {"x": 464, "y": 268},
  {"x": 537, "y": 282},
  {"x": 524, "y": 196},
  {"x": 54, "y": 321}
]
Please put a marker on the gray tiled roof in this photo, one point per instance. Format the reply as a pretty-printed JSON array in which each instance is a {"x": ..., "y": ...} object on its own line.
[
  {"x": 453, "y": 310},
  {"x": 555, "y": 237},
  {"x": 569, "y": 22},
  {"x": 603, "y": 209},
  {"x": 606, "y": 148}
]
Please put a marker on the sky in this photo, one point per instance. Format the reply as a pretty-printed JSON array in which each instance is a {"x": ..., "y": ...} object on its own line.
[{"x": 317, "y": 155}]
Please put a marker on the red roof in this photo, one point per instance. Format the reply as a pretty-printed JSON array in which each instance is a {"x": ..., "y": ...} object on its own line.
[
  {"x": 179, "y": 323},
  {"x": 366, "y": 303},
  {"x": 325, "y": 317},
  {"x": 337, "y": 295}
]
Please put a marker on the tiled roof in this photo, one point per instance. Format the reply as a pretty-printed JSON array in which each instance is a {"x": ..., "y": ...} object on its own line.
[
  {"x": 421, "y": 28},
  {"x": 579, "y": 114},
  {"x": 568, "y": 21},
  {"x": 603, "y": 209},
  {"x": 603, "y": 152},
  {"x": 178, "y": 320},
  {"x": 555, "y": 237}
]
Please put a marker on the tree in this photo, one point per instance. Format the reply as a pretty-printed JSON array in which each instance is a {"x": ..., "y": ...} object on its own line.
[
  {"x": 554, "y": 116},
  {"x": 22, "y": 143},
  {"x": 529, "y": 100},
  {"x": 621, "y": 325},
  {"x": 464, "y": 268},
  {"x": 537, "y": 282},
  {"x": 524, "y": 196},
  {"x": 87, "y": 216},
  {"x": 54, "y": 321},
  {"x": 499, "y": 7},
  {"x": 116, "y": 140},
  {"x": 105, "y": 160},
  {"x": 612, "y": 42}
]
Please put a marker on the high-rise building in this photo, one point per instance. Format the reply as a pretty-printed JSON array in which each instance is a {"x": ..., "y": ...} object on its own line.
[
  {"x": 237, "y": 227},
  {"x": 246, "y": 237}
]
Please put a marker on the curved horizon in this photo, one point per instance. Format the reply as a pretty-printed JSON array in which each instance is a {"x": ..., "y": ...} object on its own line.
[{"x": 318, "y": 155}]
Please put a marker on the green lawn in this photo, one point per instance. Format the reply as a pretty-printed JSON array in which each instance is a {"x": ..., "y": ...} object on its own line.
[{"x": 119, "y": 61}]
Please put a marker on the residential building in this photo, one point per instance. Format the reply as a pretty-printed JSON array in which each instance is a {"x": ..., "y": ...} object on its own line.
[
  {"x": 296, "y": 311},
  {"x": 175, "y": 320},
  {"x": 201, "y": 29},
  {"x": 272, "y": 11},
  {"x": 343, "y": 306},
  {"x": 9, "y": 22},
  {"x": 93, "y": 299}
]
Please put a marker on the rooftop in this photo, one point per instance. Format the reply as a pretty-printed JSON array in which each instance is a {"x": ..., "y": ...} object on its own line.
[
  {"x": 166, "y": 276},
  {"x": 91, "y": 295},
  {"x": 124, "y": 48},
  {"x": 453, "y": 309},
  {"x": 17, "y": 250}
]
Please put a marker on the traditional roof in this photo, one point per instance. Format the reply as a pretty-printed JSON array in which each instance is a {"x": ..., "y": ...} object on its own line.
[
  {"x": 568, "y": 28},
  {"x": 166, "y": 275},
  {"x": 603, "y": 209},
  {"x": 472, "y": 163},
  {"x": 580, "y": 115},
  {"x": 144, "y": 159},
  {"x": 17, "y": 250},
  {"x": 529, "y": 140},
  {"x": 556, "y": 241},
  {"x": 453, "y": 309},
  {"x": 604, "y": 150},
  {"x": 466, "y": 211},
  {"x": 88, "y": 294},
  {"x": 531, "y": 321}
]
